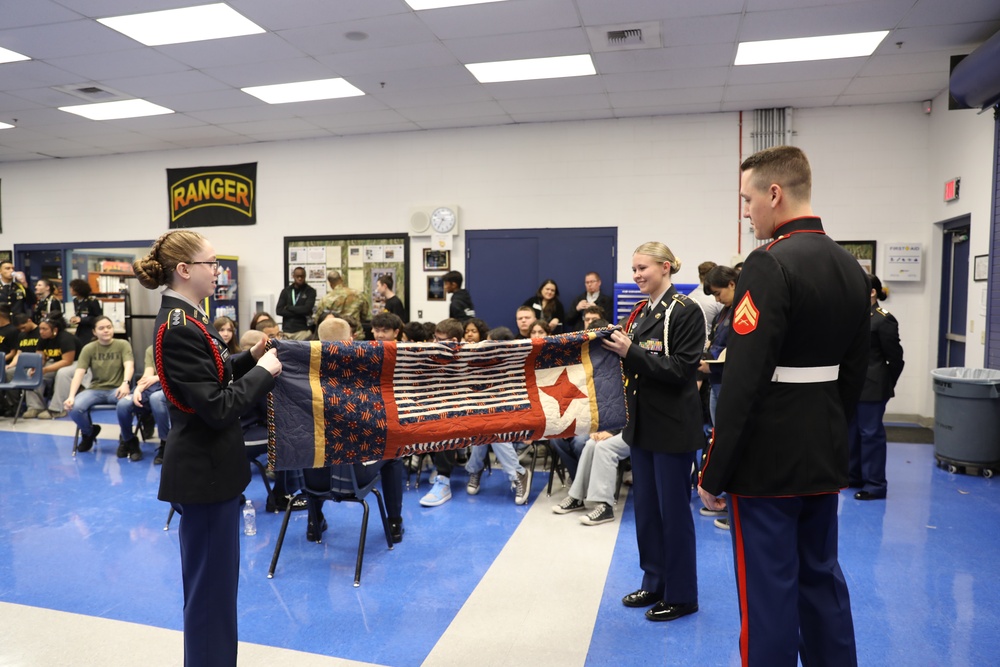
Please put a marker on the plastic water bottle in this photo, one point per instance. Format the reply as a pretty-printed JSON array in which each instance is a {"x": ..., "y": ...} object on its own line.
[{"x": 249, "y": 519}]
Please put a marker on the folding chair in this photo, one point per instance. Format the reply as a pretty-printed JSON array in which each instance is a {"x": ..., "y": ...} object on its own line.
[
  {"x": 27, "y": 375},
  {"x": 343, "y": 487}
]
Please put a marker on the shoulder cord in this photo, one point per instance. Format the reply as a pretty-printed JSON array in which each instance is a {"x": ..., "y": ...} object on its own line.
[
  {"x": 219, "y": 365},
  {"x": 666, "y": 328}
]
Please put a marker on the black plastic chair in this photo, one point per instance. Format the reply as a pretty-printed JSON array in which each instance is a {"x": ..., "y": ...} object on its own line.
[
  {"x": 27, "y": 375},
  {"x": 347, "y": 483}
]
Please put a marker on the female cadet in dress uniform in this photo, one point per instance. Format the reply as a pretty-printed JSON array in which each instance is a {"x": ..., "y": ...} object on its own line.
[
  {"x": 204, "y": 466},
  {"x": 660, "y": 350},
  {"x": 867, "y": 432}
]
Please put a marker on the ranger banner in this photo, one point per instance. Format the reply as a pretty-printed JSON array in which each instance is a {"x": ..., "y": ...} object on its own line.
[{"x": 212, "y": 196}]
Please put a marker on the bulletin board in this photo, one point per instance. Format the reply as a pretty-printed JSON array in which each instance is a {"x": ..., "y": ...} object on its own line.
[{"x": 360, "y": 259}]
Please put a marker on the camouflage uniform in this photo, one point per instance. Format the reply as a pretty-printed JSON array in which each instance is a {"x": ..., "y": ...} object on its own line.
[{"x": 341, "y": 301}]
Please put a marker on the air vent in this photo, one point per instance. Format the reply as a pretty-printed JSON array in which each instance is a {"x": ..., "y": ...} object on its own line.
[
  {"x": 625, "y": 37},
  {"x": 93, "y": 92}
]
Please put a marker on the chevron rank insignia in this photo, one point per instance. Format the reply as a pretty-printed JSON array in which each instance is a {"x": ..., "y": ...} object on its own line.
[
  {"x": 177, "y": 318},
  {"x": 746, "y": 316}
]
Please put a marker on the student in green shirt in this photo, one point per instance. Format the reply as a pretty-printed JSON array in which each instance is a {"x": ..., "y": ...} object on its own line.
[{"x": 111, "y": 364}]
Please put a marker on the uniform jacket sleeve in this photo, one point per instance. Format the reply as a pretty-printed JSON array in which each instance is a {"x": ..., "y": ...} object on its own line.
[
  {"x": 888, "y": 336},
  {"x": 686, "y": 337},
  {"x": 190, "y": 367}
]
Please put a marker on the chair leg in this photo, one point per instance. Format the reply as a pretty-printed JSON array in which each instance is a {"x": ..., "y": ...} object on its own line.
[
  {"x": 385, "y": 518},
  {"x": 361, "y": 543},
  {"x": 20, "y": 406},
  {"x": 281, "y": 539},
  {"x": 263, "y": 475},
  {"x": 170, "y": 514},
  {"x": 76, "y": 443}
]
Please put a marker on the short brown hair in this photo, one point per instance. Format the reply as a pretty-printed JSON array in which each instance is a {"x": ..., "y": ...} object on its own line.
[
  {"x": 451, "y": 328},
  {"x": 786, "y": 166}
]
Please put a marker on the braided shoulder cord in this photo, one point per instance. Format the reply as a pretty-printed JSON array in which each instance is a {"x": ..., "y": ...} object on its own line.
[{"x": 219, "y": 365}]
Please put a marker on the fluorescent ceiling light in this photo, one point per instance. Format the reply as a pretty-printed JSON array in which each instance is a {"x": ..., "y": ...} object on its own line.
[
  {"x": 533, "y": 68},
  {"x": 809, "y": 48},
  {"x": 5, "y": 126},
  {"x": 116, "y": 110},
  {"x": 418, "y": 5},
  {"x": 190, "y": 24},
  {"x": 304, "y": 91},
  {"x": 8, "y": 56}
]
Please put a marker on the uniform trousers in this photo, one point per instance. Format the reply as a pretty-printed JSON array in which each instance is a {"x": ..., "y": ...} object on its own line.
[
  {"x": 792, "y": 593},
  {"x": 392, "y": 487},
  {"x": 209, "y": 537},
  {"x": 598, "y": 470},
  {"x": 868, "y": 448},
  {"x": 664, "y": 526}
]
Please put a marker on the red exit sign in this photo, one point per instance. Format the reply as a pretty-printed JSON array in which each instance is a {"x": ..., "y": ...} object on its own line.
[{"x": 951, "y": 189}]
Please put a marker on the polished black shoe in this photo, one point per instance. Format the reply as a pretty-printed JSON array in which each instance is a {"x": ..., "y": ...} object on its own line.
[
  {"x": 867, "y": 495},
  {"x": 396, "y": 530},
  {"x": 640, "y": 598},
  {"x": 664, "y": 611},
  {"x": 87, "y": 441}
]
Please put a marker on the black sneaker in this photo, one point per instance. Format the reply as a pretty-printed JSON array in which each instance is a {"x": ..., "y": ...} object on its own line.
[
  {"x": 134, "y": 452},
  {"x": 569, "y": 504},
  {"x": 122, "y": 448},
  {"x": 600, "y": 514},
  {"x": 87, "y": 441},
  {"x": 158, "y": 459},
  {"x": 396, "y": 530}
]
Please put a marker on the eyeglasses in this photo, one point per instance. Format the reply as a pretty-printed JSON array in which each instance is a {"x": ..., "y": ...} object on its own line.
[{"x": 213, "y": 265}]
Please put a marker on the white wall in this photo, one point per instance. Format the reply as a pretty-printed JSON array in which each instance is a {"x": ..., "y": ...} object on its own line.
[{"x": 673, "y": 179}]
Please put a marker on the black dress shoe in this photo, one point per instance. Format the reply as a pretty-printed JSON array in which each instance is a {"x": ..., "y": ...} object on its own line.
[
  {"x": 664, "y": 611},
  {"x": 868, "y": 495},
  {"x": 314, "y": 535},
  {"x": 396, "y": 530},
  {"x": 640, "y": 598}
]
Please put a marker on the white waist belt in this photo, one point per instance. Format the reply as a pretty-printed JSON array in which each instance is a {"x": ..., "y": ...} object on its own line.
[{"x": 806, "y": 375}]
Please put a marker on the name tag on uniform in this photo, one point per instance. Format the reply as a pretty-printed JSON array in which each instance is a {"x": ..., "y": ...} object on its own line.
[{"x": 652, "y": 345}]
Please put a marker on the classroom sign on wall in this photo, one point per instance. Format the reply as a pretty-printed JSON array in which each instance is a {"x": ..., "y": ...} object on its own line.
[{"x": 212, "y": 196}]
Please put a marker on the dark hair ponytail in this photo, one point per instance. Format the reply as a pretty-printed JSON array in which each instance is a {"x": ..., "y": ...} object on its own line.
[{"x": 880, "y": 292}]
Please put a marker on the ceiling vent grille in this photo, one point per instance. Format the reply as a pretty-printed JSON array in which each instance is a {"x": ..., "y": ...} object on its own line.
[
  {"x": 625, "y": 37},
  {"x": 93, "y": 92}
]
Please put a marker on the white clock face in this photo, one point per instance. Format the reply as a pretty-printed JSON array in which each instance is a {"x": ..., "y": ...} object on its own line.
[{"x": 443, "y": 220}]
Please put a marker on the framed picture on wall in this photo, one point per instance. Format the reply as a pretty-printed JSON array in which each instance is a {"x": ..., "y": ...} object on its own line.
[
  {"x": 981, "y": 268},
  {"x": 863, "y": 251},
  {"x": 437, "y": 260},
  {"x": 435, "y": 288}
]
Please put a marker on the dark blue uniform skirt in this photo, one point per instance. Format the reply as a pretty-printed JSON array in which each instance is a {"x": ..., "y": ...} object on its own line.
[{"x": 792, "y": 593}]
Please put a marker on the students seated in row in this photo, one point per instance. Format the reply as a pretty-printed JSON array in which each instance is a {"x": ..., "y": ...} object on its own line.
[
  {"x": 111, "y": 364},
  {"x": 58, "y": 349},
  {"x": 147, "y": 399}
]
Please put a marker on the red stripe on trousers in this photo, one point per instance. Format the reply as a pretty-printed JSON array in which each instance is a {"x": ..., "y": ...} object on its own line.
[{"x": 741, "y": 579}]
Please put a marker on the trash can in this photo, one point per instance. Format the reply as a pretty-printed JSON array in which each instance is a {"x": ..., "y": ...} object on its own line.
[{"x": 967, "y": 418}]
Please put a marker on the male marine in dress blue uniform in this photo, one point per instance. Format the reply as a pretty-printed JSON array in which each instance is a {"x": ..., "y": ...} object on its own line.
[{"x": 795, "y": 364}]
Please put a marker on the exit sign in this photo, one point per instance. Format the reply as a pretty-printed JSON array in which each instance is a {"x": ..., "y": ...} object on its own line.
[{"x": 951, "y": 189}]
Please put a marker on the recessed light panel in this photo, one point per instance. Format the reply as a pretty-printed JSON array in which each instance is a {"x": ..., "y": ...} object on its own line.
[
  {"x": 533, "y": 68},
  {"x": 418, "y": 5},
  {"x": 117, "y": 110},
  {"x": 8, "y": 56},
  {"x": 801, "y": 49},
  {"x": 189, "y": 24},
  {"x": 304, "y": 91},
  {"x": 5, "y": 126}
]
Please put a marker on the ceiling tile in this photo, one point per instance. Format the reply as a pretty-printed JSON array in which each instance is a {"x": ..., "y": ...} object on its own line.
[
  {"x": 119, "y": 64},
  {"x": 500, "y": 18},
  {"x": 538, "y": 44},
  {"x": 58, "y": 40},
  {"x": 599, "y": 12}
]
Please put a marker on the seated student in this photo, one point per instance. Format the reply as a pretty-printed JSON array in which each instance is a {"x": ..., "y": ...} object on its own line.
[
  {"x": 110, "y": 360},
  {"x": 58, "y": 350},
  {"x": 414, "y": 332},
  {"x": 523, "y": 318},
  {"x": 147, "y": 399},
  {"x": 592, "y": 314},
  {"x": 8, "y": 347},
  {"x": 595, "y": 483},
  {"x": 538, "y": 329},
  {"x": 386, "y": 327},
  {"x": 449, "y": 330},
  {"x": 519, "y": 477},
  {"x": 268, "y": 327},
  {"x": 28, "y": 338},
  {"x": 257, "y": 317},
  {"x": 476, "y": 330}
]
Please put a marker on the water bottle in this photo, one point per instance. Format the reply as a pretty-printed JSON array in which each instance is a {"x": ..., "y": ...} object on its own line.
[{"x": 249, "y": 519}]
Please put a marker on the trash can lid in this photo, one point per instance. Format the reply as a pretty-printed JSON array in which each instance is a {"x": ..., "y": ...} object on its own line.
[{"x": 968, "y": 375}]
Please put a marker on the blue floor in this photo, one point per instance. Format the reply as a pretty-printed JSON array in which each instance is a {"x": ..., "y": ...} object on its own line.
[{"x": 86, "y": 535}]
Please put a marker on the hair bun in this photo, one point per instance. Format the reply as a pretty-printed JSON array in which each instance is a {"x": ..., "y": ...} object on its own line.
[{"x": 148, "y": 271}]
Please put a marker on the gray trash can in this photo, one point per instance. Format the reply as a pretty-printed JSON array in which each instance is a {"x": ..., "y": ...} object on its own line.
[{"x": 967, "y": 418}]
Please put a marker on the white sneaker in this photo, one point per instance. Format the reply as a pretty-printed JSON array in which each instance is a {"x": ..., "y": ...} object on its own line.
[
  {"x": 704, "y": 511},
  {"x": 439, "y": 494}
]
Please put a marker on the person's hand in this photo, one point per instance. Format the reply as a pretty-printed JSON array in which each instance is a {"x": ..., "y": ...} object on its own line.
[
  {"x": 122, "y": 390},
  {"x": 710, "y": 501},
  {"x": 68, "y": 404},
  {"x": 582, "y": 305},
  {"x": 703, "y": 367},
  {"x": 258, "y": 349},
  {"x": 269, "y": 362},
  {"x": 618, "y": 342},
  {"x": 600, "y": 435},
  {"x": 143, "y": 383},
  {"x": 137, "y": 398},
  {"x": 74, "y": 320},
  {"x": 554, "y": 323},
  {"x": 31, "y": 372}
]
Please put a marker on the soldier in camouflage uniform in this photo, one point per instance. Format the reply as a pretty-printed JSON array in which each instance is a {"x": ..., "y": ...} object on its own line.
[{"x": 343, "y": 301}]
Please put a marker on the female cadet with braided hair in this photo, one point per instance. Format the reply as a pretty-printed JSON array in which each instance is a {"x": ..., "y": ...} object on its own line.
[
  {"x": 660, "y": 350},
  {"x": 204, "y": 466}
]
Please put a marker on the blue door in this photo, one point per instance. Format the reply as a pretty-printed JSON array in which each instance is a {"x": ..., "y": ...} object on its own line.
[
  {"x": 505, "y": 267},
  {"x": 954, "y": 293}
]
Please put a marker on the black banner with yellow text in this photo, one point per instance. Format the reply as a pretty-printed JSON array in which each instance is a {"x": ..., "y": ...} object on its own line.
[{"x": 213, "y": 196}]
